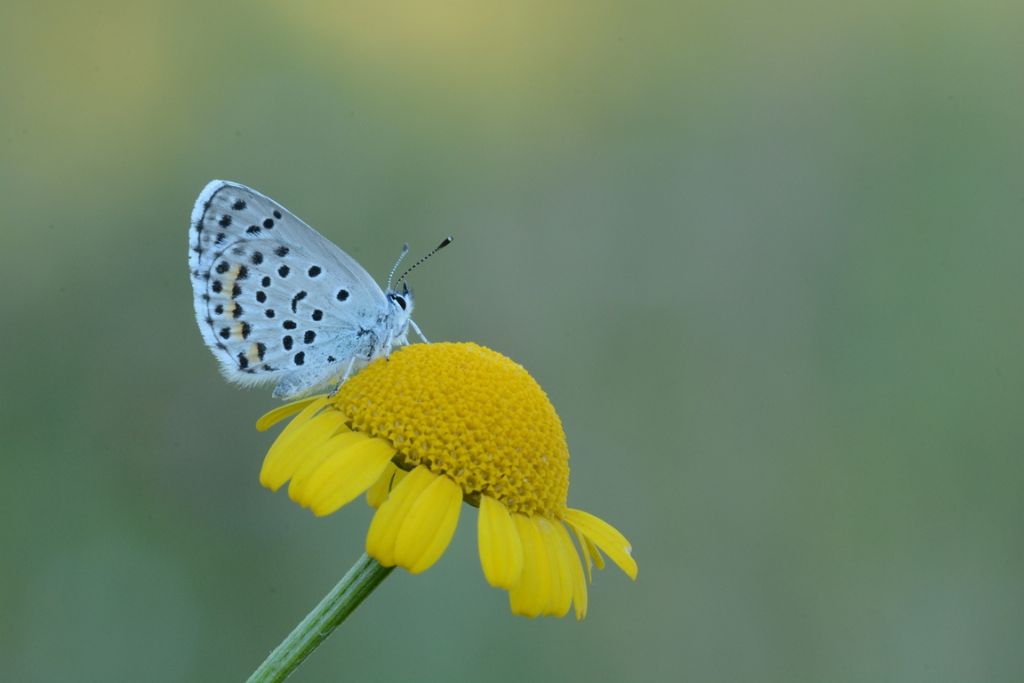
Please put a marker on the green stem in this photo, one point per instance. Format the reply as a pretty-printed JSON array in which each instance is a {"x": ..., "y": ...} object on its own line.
[{"x": 365, "y": 575}]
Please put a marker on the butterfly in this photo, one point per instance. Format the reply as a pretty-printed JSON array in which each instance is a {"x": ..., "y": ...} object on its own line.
[{"x": 276, "y": 301}]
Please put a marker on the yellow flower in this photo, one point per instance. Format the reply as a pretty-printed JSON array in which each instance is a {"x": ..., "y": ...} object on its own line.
[{"x": 436, "y": 425}]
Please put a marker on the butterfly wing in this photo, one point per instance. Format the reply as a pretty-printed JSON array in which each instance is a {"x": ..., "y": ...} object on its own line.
[{"x": 274, "y": 299}]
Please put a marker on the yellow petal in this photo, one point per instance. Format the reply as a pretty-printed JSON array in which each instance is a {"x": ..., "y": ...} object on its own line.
[
  {"x": 347, "y": 473},
  {"x": 272, "y": 417},
  {"x": 501, "y": 551},
  {"x": 429, "y": 525},
  {"x": 299, "y": 488},
  {"x": 311, "y": 409},
  {"x": 530, "y": 596},
  {"x": 595, "y": 554},
  {"x": 387, "y": 522},
  {"x": 579, "y": 582},
  {"x": 378, "y": 493},
  {"x": 560, "y": 597},
  {"x": 292, "y": 446},
  {"x": 585, "y": 549},
  {"x": 606, "y": 537}
]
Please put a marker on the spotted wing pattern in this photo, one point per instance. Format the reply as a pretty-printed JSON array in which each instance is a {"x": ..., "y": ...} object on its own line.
[{"x": 274, "y": 299}]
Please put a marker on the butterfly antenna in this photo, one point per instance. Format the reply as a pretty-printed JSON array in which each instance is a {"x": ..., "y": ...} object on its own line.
[
  {"x": 405, "y": 250},
  {"x": 447, "y": 240}
]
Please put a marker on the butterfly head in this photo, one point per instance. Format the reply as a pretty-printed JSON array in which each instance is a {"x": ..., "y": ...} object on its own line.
[{"x": 401, "y": 301}]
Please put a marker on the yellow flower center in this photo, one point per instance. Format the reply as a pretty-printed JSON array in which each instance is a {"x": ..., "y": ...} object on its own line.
[{"x": 470, "y": 413}]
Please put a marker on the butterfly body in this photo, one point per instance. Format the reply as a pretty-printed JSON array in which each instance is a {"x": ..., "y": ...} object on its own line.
[{"x": 276, "y": 301}]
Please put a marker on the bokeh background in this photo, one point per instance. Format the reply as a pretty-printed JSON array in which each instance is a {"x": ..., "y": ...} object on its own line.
[{"x": 765, "y": 259}]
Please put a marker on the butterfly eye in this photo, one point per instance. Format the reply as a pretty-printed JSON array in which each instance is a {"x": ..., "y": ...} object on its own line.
[{"x": 398, "y": 300}]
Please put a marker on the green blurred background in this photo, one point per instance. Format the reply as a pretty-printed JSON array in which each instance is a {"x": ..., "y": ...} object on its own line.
[{"x": 765, "y": 259}]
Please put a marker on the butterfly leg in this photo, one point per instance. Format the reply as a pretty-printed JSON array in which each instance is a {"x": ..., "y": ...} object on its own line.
[
  {"x": 419, "y": 332},
  {"x": 348, "y": 370},
  {"x": 344, "y": 378}
]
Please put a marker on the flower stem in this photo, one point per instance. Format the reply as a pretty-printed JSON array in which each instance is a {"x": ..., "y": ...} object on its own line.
[{"x": 365, "y": 575}]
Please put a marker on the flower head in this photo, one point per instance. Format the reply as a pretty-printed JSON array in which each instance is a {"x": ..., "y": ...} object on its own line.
[{"x": 429, "y": 428}]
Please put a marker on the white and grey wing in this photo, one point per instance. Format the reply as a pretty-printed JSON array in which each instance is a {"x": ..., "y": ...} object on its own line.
[{"x": 274, "y": 299}]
